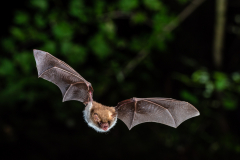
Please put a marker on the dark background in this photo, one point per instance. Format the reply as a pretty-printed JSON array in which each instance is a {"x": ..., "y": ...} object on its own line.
[{"x": 125, "y": 48}]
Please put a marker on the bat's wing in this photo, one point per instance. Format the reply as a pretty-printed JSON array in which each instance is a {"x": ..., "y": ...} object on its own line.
[
  {"x": 72, "y": 85},
  {"x": 161, "y": 110}
]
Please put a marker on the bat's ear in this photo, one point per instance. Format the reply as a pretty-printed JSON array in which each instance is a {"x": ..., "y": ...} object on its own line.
[
  {"x": 96, "y": 118},
  {"x": 114, "y": 115}
]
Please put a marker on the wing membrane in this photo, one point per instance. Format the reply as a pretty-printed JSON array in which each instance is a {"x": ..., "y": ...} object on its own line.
[
  {"x": 72, "y": 85},
  {"x": 161, "y": 110}
]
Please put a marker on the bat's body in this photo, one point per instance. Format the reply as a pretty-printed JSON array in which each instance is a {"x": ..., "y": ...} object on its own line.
[{"x": 102, "y": 118}]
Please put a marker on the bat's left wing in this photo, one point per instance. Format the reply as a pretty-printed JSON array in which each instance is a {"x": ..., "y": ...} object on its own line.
[
  {"x": 72, "y": 85},
  {"x": 161, "y": 110}
]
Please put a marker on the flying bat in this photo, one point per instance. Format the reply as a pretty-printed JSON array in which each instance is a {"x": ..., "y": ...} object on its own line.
[{"x": 102, "y": 118}]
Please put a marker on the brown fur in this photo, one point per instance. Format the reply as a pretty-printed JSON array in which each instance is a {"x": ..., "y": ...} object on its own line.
[{"x": 101, "y": 113}]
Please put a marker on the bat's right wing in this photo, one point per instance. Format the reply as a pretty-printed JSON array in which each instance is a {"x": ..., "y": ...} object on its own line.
[
  {"x": 167, "y": 111},
  {"x": 72, "y": 85}
]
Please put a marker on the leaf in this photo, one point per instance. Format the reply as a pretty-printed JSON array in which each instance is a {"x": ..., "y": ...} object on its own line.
[
  {"x": 41, "y": 4},
  {"x": 75, "y": 53},
  {"x": 9, "y": 45},
  {"x": 37, "y": 35},
  {"x": 128, "y": 5},
  {"x": 115, "y": 66},
  {"x": 18, "y": 33},
  {"x": 49, "y": 46},
  {"x": 14, "y": 91},
  {"x": 99, "y": 7},
  {"x": 153, "y": 4},
  {"x": 183, "y": 78},
  {"x": 21, "y": 18},
  {"x": 7, "y": 68},
  {"x": 186, "y": 95},
  {"x": 209, "y": 88},
  {"x": 201, "y": 76},
  {"x": 236, "y": 77},
  {"x": 40, "y": 21},
  {"x": 221, "y": 81},
  {"x": 109, "y": 29},
  {"x": 229, "y": 102},
  {"x": 160, "y": 20},
  {"x": 62, "y": 31},
  {"x": 77, "y": 9},
  {"x": 137, "y": 43},
  {"x": 139, "y": 17},
  {"x": 100, "y": 47},
  {"x": 25, "y": 60}
]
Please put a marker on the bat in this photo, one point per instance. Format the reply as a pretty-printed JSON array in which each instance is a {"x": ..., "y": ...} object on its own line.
[{"x": 102, "y": 118}]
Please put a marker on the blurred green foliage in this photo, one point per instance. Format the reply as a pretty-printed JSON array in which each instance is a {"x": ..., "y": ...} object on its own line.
[{"x": 99, "y": 39}]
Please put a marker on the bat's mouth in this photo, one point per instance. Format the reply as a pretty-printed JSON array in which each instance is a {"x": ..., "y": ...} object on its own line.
[{"x": 104, "y": 126}]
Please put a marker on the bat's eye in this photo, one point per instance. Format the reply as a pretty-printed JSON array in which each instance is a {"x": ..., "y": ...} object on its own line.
[{"x": 95, "y": 114}]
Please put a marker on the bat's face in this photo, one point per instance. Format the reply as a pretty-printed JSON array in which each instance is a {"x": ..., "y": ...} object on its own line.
[{"x": 103, "y": 119}]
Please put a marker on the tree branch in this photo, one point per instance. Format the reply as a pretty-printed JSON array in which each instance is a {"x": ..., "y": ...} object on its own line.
[
  {"x": 168, "y": 28},
  {"x": 219, "y": 32}
]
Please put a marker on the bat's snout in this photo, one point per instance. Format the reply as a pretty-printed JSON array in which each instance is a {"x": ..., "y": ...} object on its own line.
[{"x": 104, "y": 126}]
